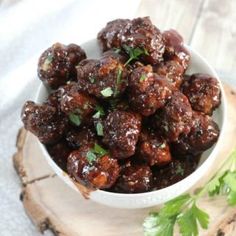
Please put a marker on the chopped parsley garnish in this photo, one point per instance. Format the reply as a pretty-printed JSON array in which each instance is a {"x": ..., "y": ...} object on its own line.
[
  {"x": 143, "y": 78},
  {"x": 179, "y": 170},
  {"x": 134, "y": 53},
  {"x": 47, "y": 62},
  {"x": 92, "y": 79},
  {"x": 100, "y": 112},
  {"x": 99, "y": 129},
  {"x": 117, "y": 50},
  {"x": 75, "y": 118},
  {"x": 96, "y": 152},
  {"x": 107, "y": 92},
  {"x": 118, "y": 81}
]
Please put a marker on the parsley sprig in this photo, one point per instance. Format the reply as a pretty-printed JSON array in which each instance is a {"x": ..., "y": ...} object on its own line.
[
  {"x": 134, "y": 53},
  {"x": 183, "y": 210}
]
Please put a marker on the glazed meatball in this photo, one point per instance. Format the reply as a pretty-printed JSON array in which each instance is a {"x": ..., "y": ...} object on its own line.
[
  {"x": 203, "y": 92},
  {"x": 103, "y": 78},
  {"x": 57, "y": 64},
  {"x": 147, "y": 91},
  {"x": 98, "y": 172},
  {"x": 77, "y": 105},
  {"x": 59, "y": 153},
  {"x": 44, "y": 122},
  {"x": 138, "y": 33},
  {"x": 121, "y": 132},
  {"x": 204, "y": 133},
  {"x": 78, "y": 138},
  {"x": 172, "y": 71},
  {"x": 175, "y": 118},
  {"x": 134, "y": 178},
  {"x": 173, "y": 172},
  {"x": 153, "y": 149},
  {"x": 175, "y": 49}
]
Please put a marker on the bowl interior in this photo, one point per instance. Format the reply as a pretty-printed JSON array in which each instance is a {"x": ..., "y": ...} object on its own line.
[{"x": 141, "y": 200}]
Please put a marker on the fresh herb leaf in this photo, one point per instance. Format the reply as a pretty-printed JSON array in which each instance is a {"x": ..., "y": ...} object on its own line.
[
  {"x": 201, "y": 216},
  {"x": 143, "y": 78},
  {"x": 99, "y": 128},
  {"x": 134, "y": 53},
  {"x": 92, "y": 79},
  {"x": 47, "y": 62},
  {"x": 100, "y": 112},
  {"x": 118, "y": 81},
  {"x": 75, "y": 119},
  {"x": 231, "y": 198},
  {"x": 179, "y": 170},
  {"x": 91, "y": 157},
  {"x": 117, "y": 50},
  {"x": 107, "y": 92},
  {"x": 99, "y": 150}
]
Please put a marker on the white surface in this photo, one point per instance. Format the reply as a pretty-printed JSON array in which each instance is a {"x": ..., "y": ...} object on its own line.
[
  {"x": 27, "y": 27},
  {"x": 154, "y": 198}
]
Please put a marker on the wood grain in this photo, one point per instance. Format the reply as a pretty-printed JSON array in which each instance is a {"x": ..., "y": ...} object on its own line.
[
  {"x": 215, "y": 34},
  {"x": 51, "y": 204},
  {"x": 181, "y": 15}
]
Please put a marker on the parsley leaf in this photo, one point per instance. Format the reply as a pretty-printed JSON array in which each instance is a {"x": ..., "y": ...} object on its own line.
[
  {"x": 92, "y": 79},
  {"x": 99, "y": 128},
  {"x": 107, "y": 92},
  {"x": 134, "y": 53},
  {"x": 91, "y": 157},
  {"x": 100, "y": 112},
  {"x": 118, "y": 81},
  {"x": 75, "y": 119},
  {"x": 143, "y": 78},
  {"x": 201, "y": 216},
  {"x": 96, "y": 152}
]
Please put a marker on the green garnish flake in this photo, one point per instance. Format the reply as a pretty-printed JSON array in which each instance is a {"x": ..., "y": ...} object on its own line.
[
  {"x": 96, "y": 152},
  {"x": 99, "y": 129},
  {"x": 183, "y": 210},
  {"x": 92, "y": 79},
  {"x": 91, "y": 157},
  {"x": 47, "y": 62},
  {"x": 134, "y": 53},
  {"x": 179, "y": 170},
  {"x": 107, "y": 92},
  {"x": 118, "y": 81},
  {"x": 75, "y": 119},
  {"x": 100, "y": 112},
  {"x": 117, "y": 50},
  {"x": 143, "y": 78}
]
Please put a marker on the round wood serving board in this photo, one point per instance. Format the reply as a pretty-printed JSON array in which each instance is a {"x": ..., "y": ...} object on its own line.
[{"x": 51, "y": 204}]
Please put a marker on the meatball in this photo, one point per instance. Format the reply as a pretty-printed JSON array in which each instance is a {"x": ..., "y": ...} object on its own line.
[
  {"x": 153, "y": 149},
  {"x": 44, "y": 122},
  {"x": 173, "y": 172},
  {"x": 175, "y": 118},
  {"x": 138, "y": 33},
  {"x": 78, "y": 106},
  {"x": 59, "y": 152},
  {"x": 121, "y": 132},
  {"x": 134, "y": 178},
  {"x": 78, "y": 138},
  {"x": 175, "y": 49},
  {"x": 91, "y": 169},
  {"x": 203, "y": 92},
  {"x": 103, "y": 78},
  {"x": 172, "y": 71},
  {"x": 204, "y": 133},
  {"x": 57, "y": 64},
  {"x": 147, "y": 91}
]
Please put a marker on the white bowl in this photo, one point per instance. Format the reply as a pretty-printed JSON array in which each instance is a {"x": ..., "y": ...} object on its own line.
[{"x": 142, "y": 200}]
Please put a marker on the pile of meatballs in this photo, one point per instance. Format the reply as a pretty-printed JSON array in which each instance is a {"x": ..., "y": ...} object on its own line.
[{"x": 130, "y": 121}]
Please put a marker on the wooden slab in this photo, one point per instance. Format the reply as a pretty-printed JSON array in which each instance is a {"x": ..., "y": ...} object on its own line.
[{"x": 51, "y": 204}]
